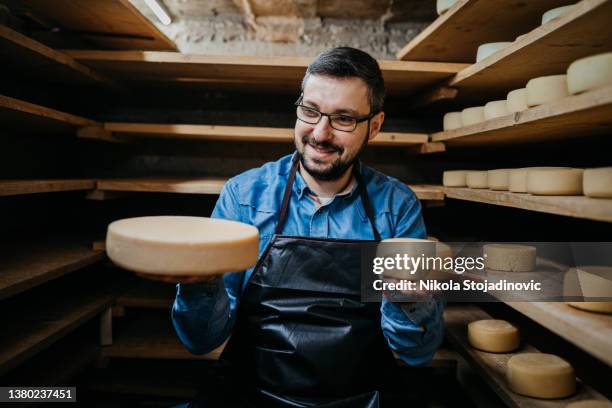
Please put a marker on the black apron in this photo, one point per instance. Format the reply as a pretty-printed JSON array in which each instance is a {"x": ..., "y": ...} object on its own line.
[{"x": 303, "y": 338}]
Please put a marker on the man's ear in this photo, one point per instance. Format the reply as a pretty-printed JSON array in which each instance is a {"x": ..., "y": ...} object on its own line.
[{"x": 375, "y": 125}]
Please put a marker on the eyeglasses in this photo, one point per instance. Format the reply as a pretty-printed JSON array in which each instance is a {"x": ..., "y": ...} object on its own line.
[{"x": 338, "y": 121}]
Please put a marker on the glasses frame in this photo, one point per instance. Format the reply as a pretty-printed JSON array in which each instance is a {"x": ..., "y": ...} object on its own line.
[{"x": 331, "y": 116}]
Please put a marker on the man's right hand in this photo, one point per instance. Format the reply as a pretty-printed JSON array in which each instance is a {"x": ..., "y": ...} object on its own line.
[{"x": 180, "y": 279}]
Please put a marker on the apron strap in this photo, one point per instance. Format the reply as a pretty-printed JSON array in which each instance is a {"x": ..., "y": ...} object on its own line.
[{"x": 289, "y": 188}]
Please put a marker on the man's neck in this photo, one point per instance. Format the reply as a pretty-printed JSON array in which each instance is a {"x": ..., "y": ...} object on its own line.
[{"x": 327, "y": 188}]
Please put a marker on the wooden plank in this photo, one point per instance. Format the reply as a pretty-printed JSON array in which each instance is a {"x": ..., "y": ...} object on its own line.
[
  {"x": 148, "y": 295},
  {"x": 20, "y": 187},
  {"x": 574, "y": 116},
  {"x": 492, "y": 366},
  {"x": 249, "y": 72},
  {"x": 547, "y": 50},
  {"x": 456, "y": 34},
  {"x": 28, "y": 264},
  {"x": 33, "y": 59},
  {"x": 598, "y": 209},
  {"x": 113, "y": 24},
  {"x": 591, "y": 332}
]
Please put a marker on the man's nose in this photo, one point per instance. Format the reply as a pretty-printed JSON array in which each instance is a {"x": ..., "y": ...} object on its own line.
[{"x": 322, "y": 130}]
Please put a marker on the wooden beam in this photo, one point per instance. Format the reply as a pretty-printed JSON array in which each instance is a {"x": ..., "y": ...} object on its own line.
[
  {"x": 98, "y": 133},
  {"x": 428, "y": 148},
  {"x": 22, "y": 187}
]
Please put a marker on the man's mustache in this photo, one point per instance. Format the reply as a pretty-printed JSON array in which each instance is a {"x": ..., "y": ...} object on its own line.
[{"x": 323, "y": 145}]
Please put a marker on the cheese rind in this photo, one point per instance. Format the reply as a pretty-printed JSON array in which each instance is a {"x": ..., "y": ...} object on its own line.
[
  {"x": 516, "y": 101},
  {"x": 454, "y": 178},
  {"x": 182, "y": 246},
  {"x": 477, "y": 179},
  {"x": 599, "y": 307},
  {"x": 587, "y": 74},
  {"x": 590, "y": 404},
  {"x": 485, "y": 50},
  {"x": 498, "y": 179},
  {"x": 546, "y": 89},
  {"x": 517, "y": 179},
  {"x": 556, "y": 12},
  {"x": 551, "y": 181},
  {"x": 597, "y": 182},
  {"x": 494, "y": 336},
  {"x": 509, "y": 257},
  {"x": 452, "y": 120},
  {"x": 473, "y": 115},
  {"x": 495, "y": 109},
  {"x": 540, "y": 375},
  {"x": 443, "y": 5}
]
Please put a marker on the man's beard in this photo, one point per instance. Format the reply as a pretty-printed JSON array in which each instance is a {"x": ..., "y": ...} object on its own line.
[{"x": 337, "y": 168}]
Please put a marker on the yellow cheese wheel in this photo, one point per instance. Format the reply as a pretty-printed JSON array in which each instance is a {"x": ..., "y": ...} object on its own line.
[
  {"x": 555, "y": 13},
  {"x": 554, "y": 181},
  {"x": 597, "y": 182},
  {"x": 452, "y": 120},
  {"x": 454, "y": 178},
  {"x": 509, "y": 257},
  {"x": 589, "y": 73},
  {"x": 599, "y": 307},
  {"x": 494, "y": 336},
  {"x": 488, "y": 49},
  {"x": 495, "y": 109},
  {"x": 546, "y": 89},
  {"x": 516, "y": 101},
  {"x": 498, "y": 179},
  {"x": 477, "y": 179},
  {"x": 541, "y": 375}
]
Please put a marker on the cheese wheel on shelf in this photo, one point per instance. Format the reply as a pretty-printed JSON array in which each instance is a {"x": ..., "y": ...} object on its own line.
[
  {"x": 516, "y": 101},
  {"x": 473, "y": 115},
  {"x": 587, "y": 74},
  {"x": 452, "y": 120},
  {"x": 540, "y": 375},
  {"x": 556, "y": 12},
  {"x": 494, "y": 336},
  {"x": 182, "y": 246},
  {"x": 565, "y": 181},
  {"x": 443, "y": 5},
  {"x": 477, "y": 179},
  {"x": 509, "y": 257},
  {"x": 598, "y": 307},
  {"x": 454, "y": 178},
  {"x": 498, "y": 179},
  {"x": 597, "y": 182},
  {"x": 590, "y": 404},
  {"x": 485, "y": 50},
  {"x": 546, "y": 89},
  {"x": 595, "y": 280},
  {"x": 495, "y": 109},
  {"x": 517, "y": 179}
]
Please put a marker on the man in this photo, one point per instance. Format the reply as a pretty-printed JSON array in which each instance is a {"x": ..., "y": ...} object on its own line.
[{"x": 299, "y": 334}]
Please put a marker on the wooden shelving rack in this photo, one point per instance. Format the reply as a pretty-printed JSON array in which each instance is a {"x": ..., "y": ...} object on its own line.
[{"x": 19, "y": 187}]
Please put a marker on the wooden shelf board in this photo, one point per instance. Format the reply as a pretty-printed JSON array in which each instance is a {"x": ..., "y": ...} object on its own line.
[
  {"x": 19, "y": 187},
  {"x": 598, "y": 209},
  {"x": 456, "y": 34},
  {"x": 492, "y": 366},
  {"x": 109, "y": 24},
  {"x": 586, "y": 114},
  {"x": 547, "y": 50},
  {"x": 149, "y": 295},
  {"x": 248, "y": 72},
  {"x": 592, "y": 332},
  {"x": 29, "y": 264}
]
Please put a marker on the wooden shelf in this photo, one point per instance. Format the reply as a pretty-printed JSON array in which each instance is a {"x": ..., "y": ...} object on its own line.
[
  {"x": 27, "y": 118},
  {"x": 277, "y": 74},
  {"x": 456, "y": 34},
  {"x": 547, "y": 50},
  {"x": 19, "y": 187},
  {"x": 148, "y": 295},
  {"x": 592, "y": 332},
  {"x": 33, "y": 59},
  {"x": 32, "y": 263},
  {"x": 586, "y": 114},
  {"x": 598, "y": 209},
  {"x": 492, "y": 366},
  {"x": 109, "y": 24}
]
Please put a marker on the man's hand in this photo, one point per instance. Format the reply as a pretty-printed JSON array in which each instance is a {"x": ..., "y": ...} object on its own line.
[{"x": 179, "y": 279}]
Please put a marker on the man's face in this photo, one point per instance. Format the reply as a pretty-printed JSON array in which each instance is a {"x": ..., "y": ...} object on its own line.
[{"x": 326, "y": 153}]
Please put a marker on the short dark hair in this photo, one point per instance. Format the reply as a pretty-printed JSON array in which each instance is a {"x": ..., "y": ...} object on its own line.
[{"x": 344, "y": 62}]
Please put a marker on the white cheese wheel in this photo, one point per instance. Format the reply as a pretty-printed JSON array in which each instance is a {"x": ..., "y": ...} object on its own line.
[
  {"x": 454, "y": 178},
  {"x": 565, "y": 181},
  {"x": 182, "y": 246},
  {"x": 595, "y": 280},
  {"x": 494, "y": 336},
  {"x": 443, "y": 5},
  {"x": 488, "y": 49},
  {"x": 477, "y": 179},
  {"x": 599, "y": 307},
  {"x": 556, "y": 12},
  {"x": 590, "y": 404},
  {"x": 452, "y": 120},
  {"x": 589, "y": 73},
  {"x": 541, "y": 375},
  {"x": 509, "y": 257},
  {"x": 498, "y": 179},
  {"x": 546, "y": 89},
  {"x": 597, "y": 182},
  {"x": 517, "y": 179},
  {"x": 473, "y": 115},
  {"x": 411, "y": 247},
  {"x": 516, "y": 101},
  {"x": 495, "y": 109}
]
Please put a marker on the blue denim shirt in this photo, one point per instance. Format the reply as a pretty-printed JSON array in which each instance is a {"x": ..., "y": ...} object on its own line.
[{"x": 204, "y": 314}]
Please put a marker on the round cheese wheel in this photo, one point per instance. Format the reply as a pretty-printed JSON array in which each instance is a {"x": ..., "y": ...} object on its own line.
[
  {"x": 590, "y": 404},
  {"x": 546, "y": 89},
  {"x": 182, "y": 246},
  {"x": 452, "y": 120},
  {"x": 495, "y": 109},
  {"x": 509, "y": 257},
  {"x": 556, "y": 12},
  {"x": 565, "y": 181},
  {"x": 498, "y": 179},
  {"x": 517, "y": 179},
  {"x": 589, "y": 73},
  {"x": 488, "y": 49},
  {"x": 540, "y": 375},
  {"x": 473, "y": 115},
  {"x": 595, "y": 280},
  {"x": 454, "y": 178},
  {"x": 477, "y": 179},
  {"x": 599, "y": 307},
  {"x": 597, "y": 182},
  {"x": 494, "y": 336},
  {"x": 516, "y": 101},
  {"x": 443, "y": 5},
  {"x": 412, "y": 247}
]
